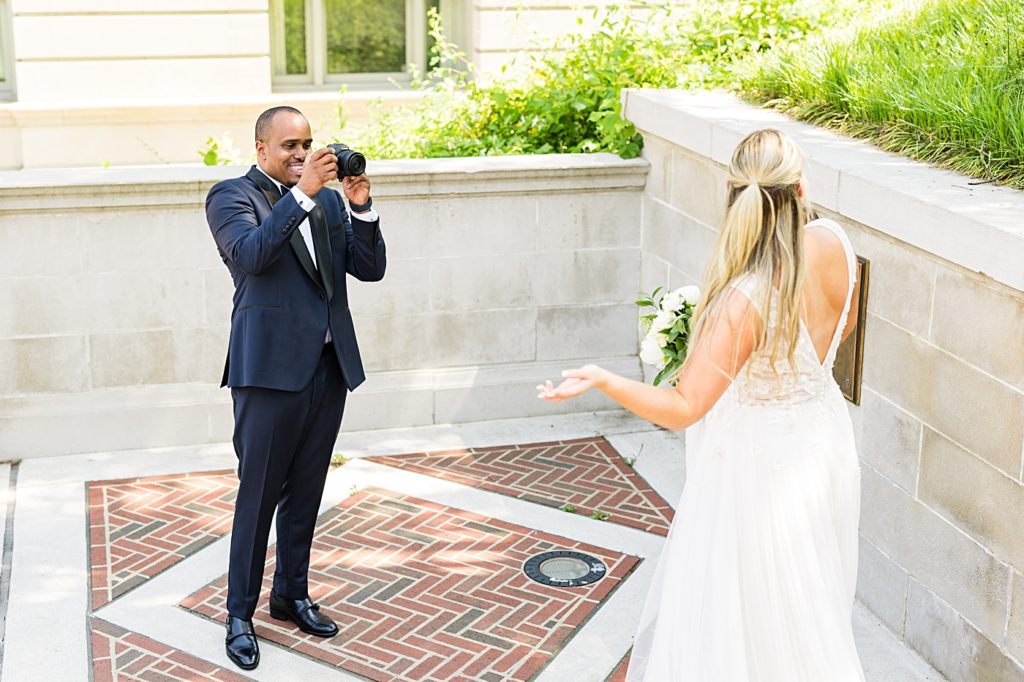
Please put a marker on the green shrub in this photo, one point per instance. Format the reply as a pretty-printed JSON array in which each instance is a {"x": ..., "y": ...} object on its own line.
[
  {"x": 567, "y": 99},
  {"x": 942, "y": 82}
]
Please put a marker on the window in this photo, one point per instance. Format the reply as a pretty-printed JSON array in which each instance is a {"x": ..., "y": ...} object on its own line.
[{"x": 355, "y": 42}]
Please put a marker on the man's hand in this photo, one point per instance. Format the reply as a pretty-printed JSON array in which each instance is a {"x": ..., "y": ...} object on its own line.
[
  {"x": 318, "y": 169},
  {"x": 357, "y": 188}
]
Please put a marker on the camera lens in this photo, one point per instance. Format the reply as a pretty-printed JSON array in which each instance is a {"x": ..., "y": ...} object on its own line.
[{"x": 350, "y": 162}]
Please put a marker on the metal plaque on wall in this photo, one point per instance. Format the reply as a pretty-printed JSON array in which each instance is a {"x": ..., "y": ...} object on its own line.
[{"x": 849, "y": 365}]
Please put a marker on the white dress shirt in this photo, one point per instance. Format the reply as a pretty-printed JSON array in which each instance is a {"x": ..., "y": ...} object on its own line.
[{"x": 307, "y": 205}]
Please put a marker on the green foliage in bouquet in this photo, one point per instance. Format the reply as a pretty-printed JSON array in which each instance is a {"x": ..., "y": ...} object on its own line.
[{"x": 667, "y": 329}]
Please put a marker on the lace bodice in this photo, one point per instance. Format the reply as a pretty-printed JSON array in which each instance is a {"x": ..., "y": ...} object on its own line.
[{"x": 807, "y": 378}]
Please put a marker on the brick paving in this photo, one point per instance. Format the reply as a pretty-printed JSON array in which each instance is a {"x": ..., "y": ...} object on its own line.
[
  {"x": 425, "y": 593},
  {"x": 619, "y": 674},
  {"x": 586, "y": 473},
  {"x": 119, "y": 655},
  {"x": 140, "y": 527}
]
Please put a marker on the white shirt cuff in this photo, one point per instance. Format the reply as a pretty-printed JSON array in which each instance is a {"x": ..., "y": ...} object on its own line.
[
  {"x": 368, "y": 216},
  {"x": 305, "y": 202}
]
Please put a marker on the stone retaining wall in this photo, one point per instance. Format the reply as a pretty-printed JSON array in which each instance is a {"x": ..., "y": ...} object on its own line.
[{"x": 114, "y": 305}]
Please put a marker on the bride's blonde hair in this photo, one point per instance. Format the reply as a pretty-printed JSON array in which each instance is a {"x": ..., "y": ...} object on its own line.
[{"x": 761, "y": 235}]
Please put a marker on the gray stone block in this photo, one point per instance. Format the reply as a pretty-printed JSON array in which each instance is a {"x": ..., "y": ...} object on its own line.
[
  {"x": 677, "y": 278},
  {"x": 1015, "y": 627},
  {"x": 902, "y": 279},
  {"x": 447, "y": 339},
  {"x": 110, "y": 420},
  {"x": 218, "y": 291},
  {"x": 586, "y": 331},
  {"x": 600, "y": 276},
  {"x": 49, "y": 364},
  {"x": 403, "y": 291},
  {"x": 132, "y": 358},
  {"x": 980, "y": 413},
  {"x": 658, "y": 153},
  {"x": 126, "y": 240},
  {"x": 982, "y": 501},
  {"x": 383, "y": 409},
  {"x": 698, "y": 188},
  {"x": 488, "y": 225},
  {"x": 586, "y": 221},
  {"x": 935, "y": 553},
  {"x": 486, "y": 402},
  {"x": 882, "y": 586},
  {"x": 409, "y": 226},
  {"x": 982, "y": 323},
  {"x": 686, "y": 244},
  {"x": 890, "y": 440},
  {"x": 43, "y": 306},
  {"x": 952, "y": 644},
  {"x": 36, "y": 245},
  {"x": 654, "y": 272},
  {"x": 483, "y": 282},
  {"x": 123, "y": 301}
]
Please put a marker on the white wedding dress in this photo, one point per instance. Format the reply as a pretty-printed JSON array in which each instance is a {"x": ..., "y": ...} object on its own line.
[{"x": 757, "y": 576}]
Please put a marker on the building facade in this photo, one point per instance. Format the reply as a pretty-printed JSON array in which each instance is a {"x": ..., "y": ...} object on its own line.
[{"x": 112, "y": 82}]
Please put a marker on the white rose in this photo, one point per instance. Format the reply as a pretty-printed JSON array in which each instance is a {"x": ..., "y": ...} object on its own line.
[
  {"x": 672, "y": 301},
  {"x": 662, "y": 340},
  {"x": 650, "y": 351},
  {"x": 664, "y": 320},
  {"x": 690, "y": 294}
]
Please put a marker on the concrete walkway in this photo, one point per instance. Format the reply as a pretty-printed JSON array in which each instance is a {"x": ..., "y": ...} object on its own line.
[{"x": 118, "y": 561}]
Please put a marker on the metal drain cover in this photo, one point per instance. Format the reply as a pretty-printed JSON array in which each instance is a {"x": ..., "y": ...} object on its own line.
[{"x": 563, "y": 568}]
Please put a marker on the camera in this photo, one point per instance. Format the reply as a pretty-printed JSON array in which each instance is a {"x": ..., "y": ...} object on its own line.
[{"x": 350, "y": 162}]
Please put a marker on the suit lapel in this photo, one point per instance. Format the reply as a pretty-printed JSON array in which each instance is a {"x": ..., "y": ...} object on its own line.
[
  {"x": 322, "y": 246},
  {"x": 298, "y": 245}
]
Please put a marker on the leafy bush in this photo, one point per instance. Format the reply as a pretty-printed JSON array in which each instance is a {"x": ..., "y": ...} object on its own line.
[
  {"x": 942, "y": 81},
  {"x": 567, "y": 98}
]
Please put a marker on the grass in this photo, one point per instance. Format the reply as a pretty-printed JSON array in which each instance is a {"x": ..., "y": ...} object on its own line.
[{"x": 941, "y": 81}]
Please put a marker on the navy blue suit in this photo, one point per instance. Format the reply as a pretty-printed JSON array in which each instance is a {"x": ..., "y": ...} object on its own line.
[{"x": 288, "y": 387}]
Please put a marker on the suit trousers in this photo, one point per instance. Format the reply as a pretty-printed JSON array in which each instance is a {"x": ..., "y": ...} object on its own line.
[{"x": 284, "y": 441}]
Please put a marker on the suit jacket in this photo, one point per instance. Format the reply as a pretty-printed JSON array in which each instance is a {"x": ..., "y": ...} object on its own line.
[{"x": 283, "y": 305}]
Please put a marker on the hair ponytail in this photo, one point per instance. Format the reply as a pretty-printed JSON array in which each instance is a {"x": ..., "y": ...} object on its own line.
[{"x": 761, "y": 235}]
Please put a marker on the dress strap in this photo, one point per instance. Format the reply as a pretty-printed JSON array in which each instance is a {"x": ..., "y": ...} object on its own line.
[{"x": 851, "y": 267}]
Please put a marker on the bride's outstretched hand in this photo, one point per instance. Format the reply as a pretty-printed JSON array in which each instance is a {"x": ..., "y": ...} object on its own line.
[{"x": 577, "y": 382}]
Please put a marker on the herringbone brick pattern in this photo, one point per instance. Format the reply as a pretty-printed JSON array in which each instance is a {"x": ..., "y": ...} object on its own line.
[
  {"x": 587, "y": 474},
  {"x": 425, "y": 593},
  {"x": 119, "y": 655},
  {"x": 139, "y": 527}
]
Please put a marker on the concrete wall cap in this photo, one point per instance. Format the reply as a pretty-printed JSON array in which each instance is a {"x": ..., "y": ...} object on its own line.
[
  {"x": 186, "y": 184},
  {"x": 977, "y": 226}
]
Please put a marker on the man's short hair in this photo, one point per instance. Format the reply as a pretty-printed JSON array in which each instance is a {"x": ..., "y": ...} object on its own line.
[{"x": 265, "y": 120}]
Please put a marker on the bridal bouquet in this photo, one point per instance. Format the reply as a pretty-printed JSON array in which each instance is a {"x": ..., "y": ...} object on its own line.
[{"x": 667, "y": 329}]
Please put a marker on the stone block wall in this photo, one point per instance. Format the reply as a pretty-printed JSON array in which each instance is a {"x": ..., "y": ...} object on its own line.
[
  {"x": 114, "y": 305},
  {"x": 941, "y": 423}
]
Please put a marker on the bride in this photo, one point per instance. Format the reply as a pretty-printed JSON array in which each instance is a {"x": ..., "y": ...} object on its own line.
[{"x": 756, "y": 579}]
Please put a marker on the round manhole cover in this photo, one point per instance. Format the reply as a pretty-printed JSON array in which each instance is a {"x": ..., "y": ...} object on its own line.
[{"x": 564, "y": 568}]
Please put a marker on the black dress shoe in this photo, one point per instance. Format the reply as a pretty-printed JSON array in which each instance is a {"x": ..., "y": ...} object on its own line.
[
  {"x": 303, "y": 613},
  {"x": 240, "y": 643}
]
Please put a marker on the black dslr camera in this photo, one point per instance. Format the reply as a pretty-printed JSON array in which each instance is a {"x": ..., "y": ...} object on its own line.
[{"x": 350, "y": 162}]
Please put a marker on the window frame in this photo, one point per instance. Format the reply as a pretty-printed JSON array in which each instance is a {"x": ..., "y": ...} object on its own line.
[
  {"x": 7, "y": 86},
  {"x": 316, "y": 76}
]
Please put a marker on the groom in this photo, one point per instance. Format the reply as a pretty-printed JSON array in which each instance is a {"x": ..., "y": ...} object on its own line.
[{"x": 288, "y": 242}]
